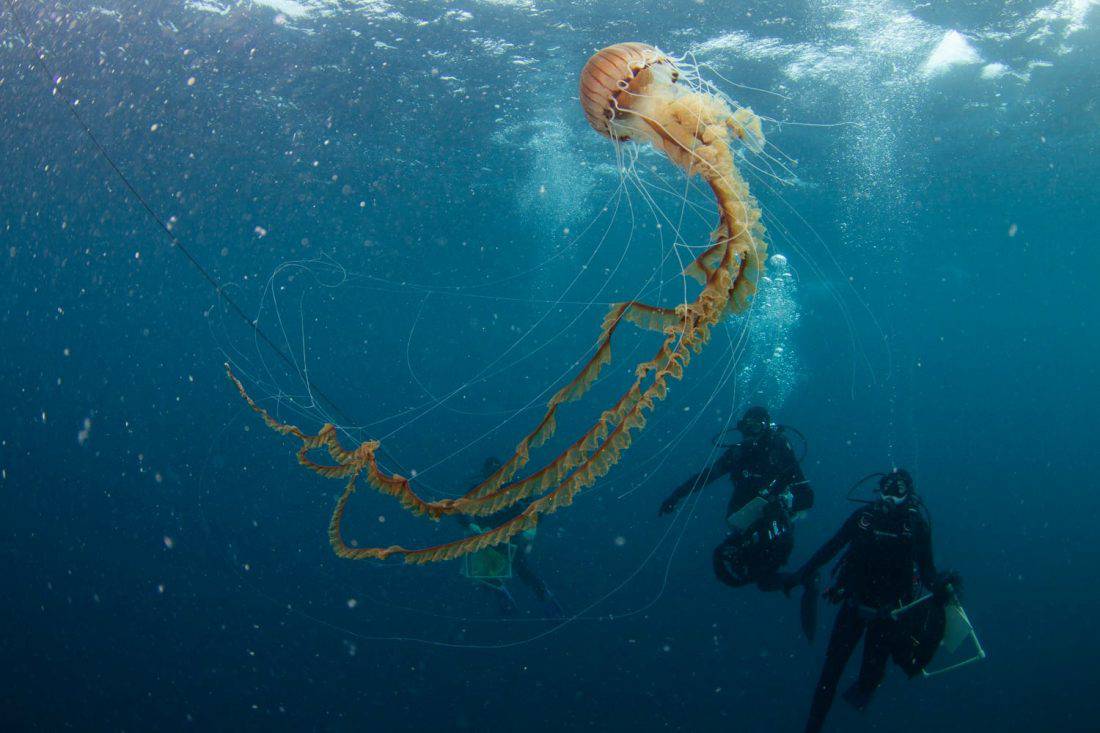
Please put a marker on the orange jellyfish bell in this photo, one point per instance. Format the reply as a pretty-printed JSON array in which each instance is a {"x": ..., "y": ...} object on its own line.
[{"x": 610, "y": 72}]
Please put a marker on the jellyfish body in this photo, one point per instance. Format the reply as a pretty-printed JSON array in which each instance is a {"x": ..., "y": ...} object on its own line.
[
  {"x": 630, "y": 91},
  {"x": 609, "y": 83}
]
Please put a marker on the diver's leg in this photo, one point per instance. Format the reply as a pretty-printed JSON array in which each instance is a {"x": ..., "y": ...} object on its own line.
[
  {"x": 508, "y": 606},
  {"x": 523, "y": 570},
  {"x": 876, "y": 652},
  {"x": 521, "y": 566},
  {"x": 505, "y": 602},
  {"x": 846, "y": 632}
]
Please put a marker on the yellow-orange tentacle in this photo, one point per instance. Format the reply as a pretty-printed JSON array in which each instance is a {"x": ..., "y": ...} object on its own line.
[{"x": 694, "y": 133}]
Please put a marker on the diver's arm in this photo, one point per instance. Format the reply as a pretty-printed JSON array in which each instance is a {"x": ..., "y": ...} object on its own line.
[
  {"x": 794, "y": 480},
  {"x": 803, "y": 497},
  {"x": 926, "y": 563},
  {"x": 830, "y": 549},
  {"x": 723, "y": 466}
]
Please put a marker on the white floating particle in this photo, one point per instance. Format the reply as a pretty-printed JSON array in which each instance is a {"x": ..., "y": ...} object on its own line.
[
  {"x": 191, "y": 82},
  {"x": 352, "y": 603},
  {"x": 154, "y": 127},
  {"x": 169, "y": 542},
  {"x": 1012, "y": 229},
  {"x": 620, "y": 541}
]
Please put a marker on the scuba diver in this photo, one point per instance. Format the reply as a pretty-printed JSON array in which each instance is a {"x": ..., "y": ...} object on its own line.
[
  {"x": 769, "y": 491},
  {"x": 494, "y": 566},
  {"x": 877, "y": 583}
]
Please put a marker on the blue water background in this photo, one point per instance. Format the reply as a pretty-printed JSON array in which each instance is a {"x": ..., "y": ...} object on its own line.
[{"x": 170, "y": 570}]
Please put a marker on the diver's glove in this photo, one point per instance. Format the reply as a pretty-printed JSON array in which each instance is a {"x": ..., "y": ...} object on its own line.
[
  {"x": 668, "y": 506},
  {"x": 946, "y": 585}
]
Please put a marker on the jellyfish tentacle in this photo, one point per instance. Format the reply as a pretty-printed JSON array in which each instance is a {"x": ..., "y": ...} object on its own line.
[
  {"x": 627, "y": 92},
  {"x": 348, "y": 463},
  {"x": 640, "y": 314},
  {"x": 604, "y": 457},
  {"x": 666, "y": 364},
  {"x": 353, "y": 462}
]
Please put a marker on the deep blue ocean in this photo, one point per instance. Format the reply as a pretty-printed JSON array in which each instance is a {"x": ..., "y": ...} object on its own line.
[{"x": 406, "y": 199}]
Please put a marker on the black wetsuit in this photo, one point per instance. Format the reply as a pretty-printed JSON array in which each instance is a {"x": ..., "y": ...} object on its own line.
[
  {"x": 889, "y": 559},
  {"x": 765, "y": 467}
]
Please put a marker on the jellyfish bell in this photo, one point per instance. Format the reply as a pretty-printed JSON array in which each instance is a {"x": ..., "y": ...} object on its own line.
[
  {"x": 630, "y": 91},
  {"x": 615, "y": 70}
]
